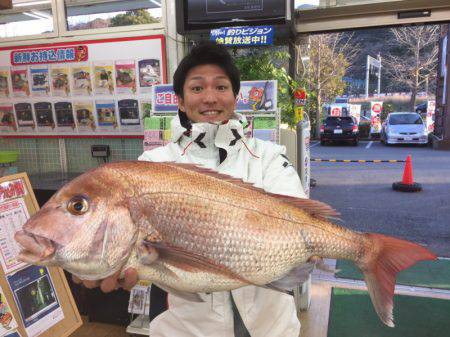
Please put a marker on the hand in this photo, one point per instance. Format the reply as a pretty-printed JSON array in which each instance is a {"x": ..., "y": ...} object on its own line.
[{"x": 112, "y": 282}]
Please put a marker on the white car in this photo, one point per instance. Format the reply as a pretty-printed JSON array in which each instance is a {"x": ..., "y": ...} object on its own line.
[{"x": 404, "y": 128}]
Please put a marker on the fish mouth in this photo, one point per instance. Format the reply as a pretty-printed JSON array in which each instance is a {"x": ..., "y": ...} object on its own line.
[{"x": 36, "y": 249}]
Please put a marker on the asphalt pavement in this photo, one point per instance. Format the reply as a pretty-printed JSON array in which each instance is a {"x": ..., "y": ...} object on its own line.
[{"x": 363, "y": 194}]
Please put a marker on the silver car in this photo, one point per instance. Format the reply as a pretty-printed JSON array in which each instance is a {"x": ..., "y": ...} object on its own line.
[{"x": 404, "y": 128}]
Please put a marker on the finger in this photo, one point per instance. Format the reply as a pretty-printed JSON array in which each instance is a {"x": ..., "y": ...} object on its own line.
[
  {"x": 130, "y": 279},
  {"x": 90, "y": 284},
  {"x": 110, "y": 283}
]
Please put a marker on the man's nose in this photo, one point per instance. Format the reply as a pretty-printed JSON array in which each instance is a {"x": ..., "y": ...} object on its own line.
[{"x": 209, "y": 96}]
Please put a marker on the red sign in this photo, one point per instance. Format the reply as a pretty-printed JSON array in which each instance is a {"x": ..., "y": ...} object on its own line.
[
  {"x": 377, "y": 108},
  {"x": 300, "y": 94},
  {"x": 336, "y": 111},
  {"x": 49, "y": 55}
]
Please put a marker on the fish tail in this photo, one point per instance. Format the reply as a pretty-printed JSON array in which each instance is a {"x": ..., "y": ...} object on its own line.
[{"x": 387, "y": 256}]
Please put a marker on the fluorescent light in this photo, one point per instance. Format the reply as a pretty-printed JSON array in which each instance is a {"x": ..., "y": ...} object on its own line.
[
  {"x": 42, "y": 14},
  {"x": 31, "y": 3},
  {"x": 34, "y": 16}
]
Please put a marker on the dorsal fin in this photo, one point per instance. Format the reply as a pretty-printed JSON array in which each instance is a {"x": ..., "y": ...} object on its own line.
[{"x": 315, "y": 208}]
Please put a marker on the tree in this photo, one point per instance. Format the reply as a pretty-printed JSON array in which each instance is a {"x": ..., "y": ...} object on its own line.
[
  {"x": 413, "y": 61},
  {"x": 134, "y": 17},
  {"x": 330, "y": 56},
  {"x": 258, "y": 64}
]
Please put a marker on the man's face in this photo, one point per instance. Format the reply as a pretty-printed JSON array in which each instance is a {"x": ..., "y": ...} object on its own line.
[{"x": 208, "y": 95}]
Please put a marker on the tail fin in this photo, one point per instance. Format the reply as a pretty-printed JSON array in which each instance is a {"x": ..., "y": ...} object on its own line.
[{"x": 388, "y": 257}]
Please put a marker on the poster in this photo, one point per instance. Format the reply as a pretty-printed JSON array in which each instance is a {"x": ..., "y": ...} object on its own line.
[
  {"x": 355, "y": 111},
  {"x": 106, "y": 115},
  {"x": 7, "y": 320},
  {"x": 39, "y": 81},
  {"x": 60, "y": 81},
  {"x": 84, "y": 116},
  {"x": 129, "y": 117},
  {"x": 146, "y": 108},
  {"x": 7, "y": 120},
  {"x": 13, "y": 214},
  {"x": 335, "y": 110},
  {"x": 44, "y": 116},
  {"x": 375, "y": 122},
  {"x": 19, "y": 81},
  {"x": 149, "y": 74},
  {"x": 88, "y": 71},
  {"x": 4, "y": 82},
  {"x": 25, "y": 119},
  {"x": 36, "y": 299},
  {"x": 431, "y": 107},
  {"x": 125, "y": 77},
  {"x": 64, "y": 116},
  {"x": 103, "y": 78},
  {"x": 139, "y": 302},
  {"x": 81, "y": 80}
]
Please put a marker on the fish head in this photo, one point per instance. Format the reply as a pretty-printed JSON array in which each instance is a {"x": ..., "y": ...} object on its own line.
[{"x": 85, "y": 228}]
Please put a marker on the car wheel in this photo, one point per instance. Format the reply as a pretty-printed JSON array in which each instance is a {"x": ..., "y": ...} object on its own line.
[{"x": 322, "y": 142}]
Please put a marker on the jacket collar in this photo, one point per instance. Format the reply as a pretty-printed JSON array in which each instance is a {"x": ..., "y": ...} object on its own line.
[{"x": 206, "y": 137}]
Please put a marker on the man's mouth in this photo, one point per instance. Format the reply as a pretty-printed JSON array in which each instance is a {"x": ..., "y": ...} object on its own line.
[{"x": 210, "y": 113}]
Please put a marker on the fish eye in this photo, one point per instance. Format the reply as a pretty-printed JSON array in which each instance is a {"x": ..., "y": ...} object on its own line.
[{"x": 78, "y": 205}]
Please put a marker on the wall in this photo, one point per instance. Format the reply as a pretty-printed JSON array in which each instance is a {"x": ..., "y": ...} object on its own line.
[{"x": 42, "y": 155}]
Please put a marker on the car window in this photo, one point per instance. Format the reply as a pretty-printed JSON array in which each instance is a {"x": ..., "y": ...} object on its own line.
[
  {"x": 405, "y": 119},
  {"x": 333, "y": 121}
]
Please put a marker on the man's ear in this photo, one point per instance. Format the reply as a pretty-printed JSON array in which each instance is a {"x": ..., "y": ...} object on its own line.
[{"x": 180, "y": 103}]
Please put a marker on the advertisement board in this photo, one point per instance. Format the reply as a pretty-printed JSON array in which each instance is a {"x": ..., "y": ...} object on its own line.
[{"x": 79, "y": 89}]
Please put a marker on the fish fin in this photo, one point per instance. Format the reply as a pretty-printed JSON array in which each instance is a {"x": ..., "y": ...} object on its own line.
[
  {"x": 191, "y": 261},
  {"x": 294, "y": 278},
  {"x": 315, "y": 208},
  {"x": 320, "y": 264},
  {"x": 388, "y": 256},
  {"x": 192, "y": 297}
]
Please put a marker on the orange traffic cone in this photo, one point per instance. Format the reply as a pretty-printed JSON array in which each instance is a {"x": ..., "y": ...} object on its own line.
[{"x": 407, "y": 184}]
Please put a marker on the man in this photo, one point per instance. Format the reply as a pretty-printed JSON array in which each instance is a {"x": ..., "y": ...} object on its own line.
[{"x": 209, "y": 133}]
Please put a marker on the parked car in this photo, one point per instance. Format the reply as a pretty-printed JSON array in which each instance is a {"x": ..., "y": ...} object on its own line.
[
  {"x": 404, "y": 128},
  {"x": 339, "y": 129}
]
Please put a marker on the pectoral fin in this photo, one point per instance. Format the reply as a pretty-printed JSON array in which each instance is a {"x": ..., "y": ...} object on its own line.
[{"x": 190, "y": 261}]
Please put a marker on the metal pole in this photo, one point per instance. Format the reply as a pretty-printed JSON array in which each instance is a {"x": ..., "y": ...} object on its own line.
[
  {"x": 379, "y": 75},
  {"x": 367, "y": 76}
]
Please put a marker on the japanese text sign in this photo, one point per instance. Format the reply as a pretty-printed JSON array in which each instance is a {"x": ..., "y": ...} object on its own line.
[
  {"x": 243, "y": 36},
  {"x": 49, "y": 55}
]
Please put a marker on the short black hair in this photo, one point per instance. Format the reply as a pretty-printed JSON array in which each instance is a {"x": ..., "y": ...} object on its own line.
[{"x": 206, "y": 53}]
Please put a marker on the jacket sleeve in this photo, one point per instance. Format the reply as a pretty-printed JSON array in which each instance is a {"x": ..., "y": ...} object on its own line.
[{"x": 279, "y": 175}]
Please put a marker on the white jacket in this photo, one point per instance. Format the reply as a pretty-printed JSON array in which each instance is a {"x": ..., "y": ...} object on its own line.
[{"x": 264, "y": 312}]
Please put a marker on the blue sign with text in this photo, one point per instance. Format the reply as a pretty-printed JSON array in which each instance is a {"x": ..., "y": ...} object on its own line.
[{"x": 243, "y": 36}]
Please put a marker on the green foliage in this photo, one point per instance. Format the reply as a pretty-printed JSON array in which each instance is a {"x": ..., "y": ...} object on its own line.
[
  {"x": 264, "y": 65},
  {"x": 134, "y": 17}
]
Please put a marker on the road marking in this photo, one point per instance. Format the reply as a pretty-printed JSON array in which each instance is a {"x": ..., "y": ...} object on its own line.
[
  {"x": 319, "y": 160},
  {"x": 369, "y": 145},
  {"x": 312, "y": 145}
]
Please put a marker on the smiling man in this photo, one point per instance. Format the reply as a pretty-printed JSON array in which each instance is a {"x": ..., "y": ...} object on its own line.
[{"x": 207, "y": 132}]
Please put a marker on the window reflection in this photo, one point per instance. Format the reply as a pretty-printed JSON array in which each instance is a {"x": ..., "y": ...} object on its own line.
[
  {"x": 101, "y": 14},
  {"x": 26, "y": 18}
]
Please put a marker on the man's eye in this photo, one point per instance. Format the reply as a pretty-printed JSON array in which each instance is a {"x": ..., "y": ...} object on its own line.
[
  {"x": 222, "y": 87},
  {"x": 196, "y": 89}
]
